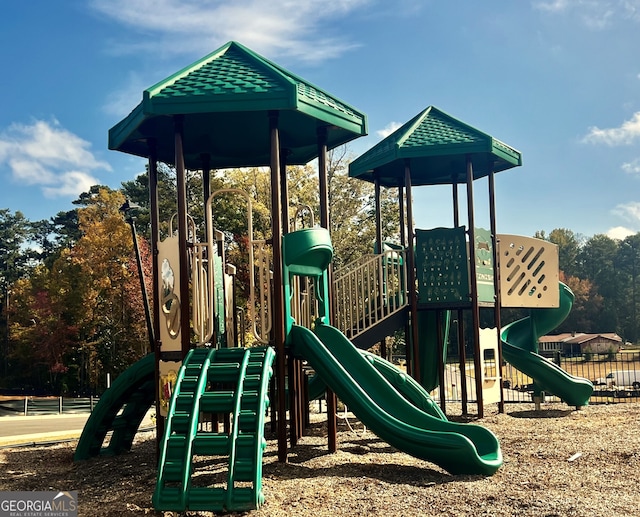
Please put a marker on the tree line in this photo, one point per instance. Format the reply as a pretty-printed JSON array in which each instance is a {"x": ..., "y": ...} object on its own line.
[{"x": 71, "y": 306}]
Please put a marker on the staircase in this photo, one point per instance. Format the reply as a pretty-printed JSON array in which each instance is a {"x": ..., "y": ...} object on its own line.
[{"x": 370, "y": 297}]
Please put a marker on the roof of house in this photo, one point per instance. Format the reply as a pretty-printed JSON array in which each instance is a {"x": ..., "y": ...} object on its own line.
[{"x": 579, "y": 337}]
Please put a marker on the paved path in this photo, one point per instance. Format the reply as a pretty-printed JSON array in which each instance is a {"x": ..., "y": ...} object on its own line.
[
  {"x": 28, "y": 429},
  {"x": 17, "y": 430}
]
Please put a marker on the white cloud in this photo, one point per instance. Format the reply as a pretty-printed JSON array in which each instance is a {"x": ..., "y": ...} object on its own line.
[
  {"x": 45, "y": 154},
  {"x": 594, "y": 14},
  {"x": 632, "y": 167},
  {"x": 300, "y": 29},
  {"x": 552, "y": 6},
  {"x": 70, "y": 183},
  {"x": 388, "y": 129},
  {"x": 631, "y": 213},
  {"x": 620, "y": 233},
  {"x": 626, "y": 134}
]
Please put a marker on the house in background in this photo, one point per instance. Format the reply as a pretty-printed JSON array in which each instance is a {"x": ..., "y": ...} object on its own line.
[{"x": 577, "y": 343}]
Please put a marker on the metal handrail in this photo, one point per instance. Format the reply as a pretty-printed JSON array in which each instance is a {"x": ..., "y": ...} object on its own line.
[{"x": 370, "y": 290}]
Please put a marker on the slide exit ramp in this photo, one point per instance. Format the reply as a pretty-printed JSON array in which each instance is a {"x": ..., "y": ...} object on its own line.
[
  {"x": 458, "y": 448},
  {"x": 230, "y": 381}
]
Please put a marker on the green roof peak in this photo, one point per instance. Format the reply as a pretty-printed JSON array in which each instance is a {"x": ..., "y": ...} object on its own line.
[
  {"x": 435, "y": 145},
  {"x": 226, "y": 96}
]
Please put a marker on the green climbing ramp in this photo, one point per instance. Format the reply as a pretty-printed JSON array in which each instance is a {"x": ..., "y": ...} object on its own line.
[
  {"x": 120, "y": 411},
  {"x": 228, "y": 381}
]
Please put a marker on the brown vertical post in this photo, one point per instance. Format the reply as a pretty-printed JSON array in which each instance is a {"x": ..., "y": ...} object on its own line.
[
  {"x": 411, "y": 276},
  {"x": 403, "y": 239},
  {"x": 284, "y": 188},
  {"x": 155, "y": 237},
  {"x": 206, "y": 177},
  {"x": 378, "y": 202},
  {"x": 278, "y": 295},
  {"x": 460, "y": 313},
  {"x": 475, "y": 309},
  {"x": 325, "y": 222},
  {"x": 496, "y": 281},
  {"x": 183, "y": 235}
]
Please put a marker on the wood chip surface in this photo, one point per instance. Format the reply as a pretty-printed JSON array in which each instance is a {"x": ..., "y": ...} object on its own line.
[{"x": 557, "y": 462}]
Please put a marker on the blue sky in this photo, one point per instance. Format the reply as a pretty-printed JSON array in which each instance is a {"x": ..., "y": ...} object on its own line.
[{"x": 559, "y": 80}]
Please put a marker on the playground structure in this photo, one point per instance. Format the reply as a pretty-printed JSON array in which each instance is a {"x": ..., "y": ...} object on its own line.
[{"x": 234, "y": 108}]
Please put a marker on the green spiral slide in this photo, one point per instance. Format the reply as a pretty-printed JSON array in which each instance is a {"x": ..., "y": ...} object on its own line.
[
  {"x": 458, "y": 448},
  {"x": 520, "y": 347}
]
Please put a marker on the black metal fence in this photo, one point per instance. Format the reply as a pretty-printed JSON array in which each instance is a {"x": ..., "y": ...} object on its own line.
[
  {"x": 47, "y": 406},
  {"x": 605, "y": 371}
]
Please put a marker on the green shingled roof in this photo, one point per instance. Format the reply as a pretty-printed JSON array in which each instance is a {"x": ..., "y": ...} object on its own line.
[
  {"x": 225, "y": 98},
  {"x": 435, "y": 145}
]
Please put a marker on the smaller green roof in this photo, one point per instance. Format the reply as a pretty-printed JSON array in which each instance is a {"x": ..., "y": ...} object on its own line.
[
  {"x": 436, "y": 146},
  {"x": 225, "y": 99}
]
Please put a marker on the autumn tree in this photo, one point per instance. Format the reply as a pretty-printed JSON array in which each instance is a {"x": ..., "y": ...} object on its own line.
[
  {"x": 42, "y": 338},
  {"x": 586, "y": 306},
  {"x": 111, "y": 324}
]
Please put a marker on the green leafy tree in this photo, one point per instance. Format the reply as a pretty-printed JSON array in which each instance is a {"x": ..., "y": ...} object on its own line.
[
  {"x": 15, "y": 261},
  {"x": 628, "y": 266},
  {"x": 352, "y": 211},
  {"x": 597, "y": 263},
  {"x": 568, "y": 249}
]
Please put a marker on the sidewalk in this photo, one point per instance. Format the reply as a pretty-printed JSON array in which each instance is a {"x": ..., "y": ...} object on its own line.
[
  {"x": 22, "y": 430},
  {"x": 18, "y": 430}
]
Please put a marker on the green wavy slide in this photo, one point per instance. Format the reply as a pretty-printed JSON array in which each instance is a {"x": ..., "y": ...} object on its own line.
[
  {"x": 457, "y": 448},
  {"x": 406, "y": 385},
  {"x": 520, "y": 347}
]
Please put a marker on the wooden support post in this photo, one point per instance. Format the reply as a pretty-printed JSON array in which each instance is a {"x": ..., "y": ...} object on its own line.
[
  {"x": 475, "y": 309},
  {"x": 278, "y": 295},
  {"x": 411, "y": 277},
  {"x": 496, "y": 283},
  {"x": 325, "y": 222}
]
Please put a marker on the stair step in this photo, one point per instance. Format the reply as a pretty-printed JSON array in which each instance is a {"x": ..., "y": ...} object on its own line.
[
  {"x": 206, "y": 498},
  {"x": 169, "y": 499},
  {"x": 173, "y": 472},
  {"x": 211, "y": 444},
  {"x": 223, "y": 372},
  {"x": 244, "y": 470},
  {"x": 217, "y": 401}
]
